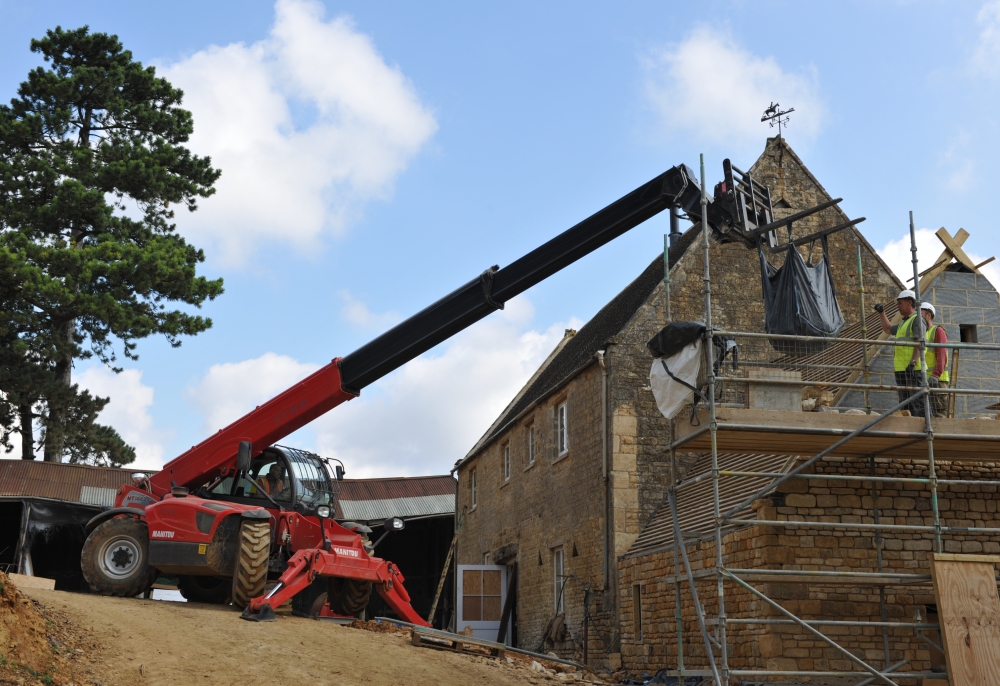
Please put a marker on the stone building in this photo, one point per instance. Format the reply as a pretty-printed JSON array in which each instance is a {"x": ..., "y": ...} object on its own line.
[{"x": 575, "y": 467}]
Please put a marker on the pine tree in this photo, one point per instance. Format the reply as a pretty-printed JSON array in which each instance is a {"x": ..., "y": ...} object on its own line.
[{"x": 92, "y": 162}]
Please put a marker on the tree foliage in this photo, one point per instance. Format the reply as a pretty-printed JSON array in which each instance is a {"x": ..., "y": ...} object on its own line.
[{"x": 92, "y": 165}]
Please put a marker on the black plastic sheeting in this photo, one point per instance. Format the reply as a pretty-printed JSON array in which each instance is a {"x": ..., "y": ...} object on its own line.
[
  {"x": 672, "y": 338},
  {"x": 54, "y": 533},
  {"x": 800, "y": 300}
]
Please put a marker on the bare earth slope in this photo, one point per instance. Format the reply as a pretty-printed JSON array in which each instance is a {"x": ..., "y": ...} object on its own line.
[{"x": 160, "y": 643}]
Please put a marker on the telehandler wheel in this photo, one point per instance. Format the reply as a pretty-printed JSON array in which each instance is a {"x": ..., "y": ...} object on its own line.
[
  {"x": 348, "y": 596},
  {"x": 115, "y": 558},
  {"x": 309, "y": 601},
  {"x": 250, "y": 574},
  {"x": 205, "y": 589}
]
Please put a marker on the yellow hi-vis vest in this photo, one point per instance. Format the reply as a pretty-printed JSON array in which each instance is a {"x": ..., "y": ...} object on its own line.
[
  {"x": 930, "y": 356},
  {"x": 903, "y": 355}
]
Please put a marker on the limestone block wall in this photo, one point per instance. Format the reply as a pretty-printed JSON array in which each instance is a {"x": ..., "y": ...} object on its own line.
[
  {"x": 811, "y": 548},
  {"x": 556, "y": 502}
]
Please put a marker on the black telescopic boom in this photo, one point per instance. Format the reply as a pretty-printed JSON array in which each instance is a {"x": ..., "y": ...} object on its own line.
[{"x": 487, "y": 293}]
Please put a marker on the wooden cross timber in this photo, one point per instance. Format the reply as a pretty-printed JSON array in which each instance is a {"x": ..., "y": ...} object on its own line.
[{"x": 952, "y": 251}]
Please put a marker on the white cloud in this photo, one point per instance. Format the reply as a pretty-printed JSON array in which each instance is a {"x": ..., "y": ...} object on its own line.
[
  {"x": 357, "y": 312},
  {"x": 230, "y": 390},
  {"x": 306, "y": 125},
  {"x": 418, "y": 420},
  {"x": 709, "y": 85},
  {"x": 128, "y": 411},
  {"x": 986, "y": 55},
  {"x": 897, "y": 256}
]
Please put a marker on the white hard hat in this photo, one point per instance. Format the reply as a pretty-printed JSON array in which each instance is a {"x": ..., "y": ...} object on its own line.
[
  {"x": 929, "y": 308},
  {"x": 906, "y": 294}
]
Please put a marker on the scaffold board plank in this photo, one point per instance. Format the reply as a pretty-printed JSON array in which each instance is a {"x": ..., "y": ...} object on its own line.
[
  {"x": 769, "y": 432},
  {"x": 969, "y": 612}
]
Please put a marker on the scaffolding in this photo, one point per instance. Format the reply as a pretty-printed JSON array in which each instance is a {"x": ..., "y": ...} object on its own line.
[{"x": 875, "y": 433}]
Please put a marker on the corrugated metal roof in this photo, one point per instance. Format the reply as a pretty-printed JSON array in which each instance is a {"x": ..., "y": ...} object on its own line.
[
  {"x": 406, "y": 508},
  {"x": 397, "y": 487},
  {"x": 71, "y": 482},
  {"x": 694, "y": 503},
  {"x": 406, "y": 497}
]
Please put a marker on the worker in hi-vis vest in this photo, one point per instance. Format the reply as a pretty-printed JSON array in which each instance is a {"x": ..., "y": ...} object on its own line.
[
  {"x": 905, "y": 358},
  {"x": 936, "y": 360}
]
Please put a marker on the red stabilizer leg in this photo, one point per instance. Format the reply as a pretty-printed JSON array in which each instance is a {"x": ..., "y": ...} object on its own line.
[
  {"x": 395, "y": 595},
  {"x": 298, "y": 575}
]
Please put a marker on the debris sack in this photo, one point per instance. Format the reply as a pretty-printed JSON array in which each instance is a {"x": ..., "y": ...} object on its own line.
[
  {"x": 679, "y": 352},
  {"x": 800, "y": 300}
]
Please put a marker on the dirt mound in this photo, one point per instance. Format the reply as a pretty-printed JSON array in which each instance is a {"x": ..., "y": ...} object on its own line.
[
  {"x": 33, "y": 648},
  {"x": 379, "y": 627}
]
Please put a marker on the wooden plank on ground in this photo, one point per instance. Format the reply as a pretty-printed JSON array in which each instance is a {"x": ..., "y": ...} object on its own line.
[
  {"x": 434, "y": 638},
  {"x": 969, "y": 611},
  {"x": 24, "y": 581}
]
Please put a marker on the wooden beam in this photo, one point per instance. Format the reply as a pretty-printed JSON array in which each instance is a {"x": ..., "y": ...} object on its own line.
[
  {"x": 955, "y": 249},
  {"x": 942, "y": 262}
]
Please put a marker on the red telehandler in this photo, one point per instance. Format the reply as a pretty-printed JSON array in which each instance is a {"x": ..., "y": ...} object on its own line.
[{"x": 237, "y": 509}]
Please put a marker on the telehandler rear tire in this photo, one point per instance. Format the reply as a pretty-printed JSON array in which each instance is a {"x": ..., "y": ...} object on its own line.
[
  {"x": 205, "y": 589},
  {"x": 115, "y": 558},
  {"x": 252, "y": 555},
  {"x": 348, "y": 597},
  {"x": 309, "y": 601}
]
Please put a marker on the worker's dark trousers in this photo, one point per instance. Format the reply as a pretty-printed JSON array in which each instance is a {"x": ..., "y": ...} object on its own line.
[{"x": 911, "y": 377}]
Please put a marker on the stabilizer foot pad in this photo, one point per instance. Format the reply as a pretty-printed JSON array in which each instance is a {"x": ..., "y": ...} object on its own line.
[{"x": 266, "y": 614}]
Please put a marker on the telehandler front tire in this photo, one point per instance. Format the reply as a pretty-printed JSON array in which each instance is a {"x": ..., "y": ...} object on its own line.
[
  {"x": 252, "y": 555},
  {"x": 205, "y": 589},
  {"x": 348, "y": 597},
  {"x": 115, "y": 558}
]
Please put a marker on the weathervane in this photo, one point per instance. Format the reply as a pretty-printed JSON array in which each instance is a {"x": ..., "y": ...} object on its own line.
[{"x": 773, "y": 115}]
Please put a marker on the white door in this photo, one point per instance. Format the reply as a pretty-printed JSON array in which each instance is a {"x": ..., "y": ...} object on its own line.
[{"x": 482, "y": 591}]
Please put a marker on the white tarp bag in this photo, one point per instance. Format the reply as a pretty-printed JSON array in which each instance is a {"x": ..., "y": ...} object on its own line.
[{"x": 671, "y": 395}]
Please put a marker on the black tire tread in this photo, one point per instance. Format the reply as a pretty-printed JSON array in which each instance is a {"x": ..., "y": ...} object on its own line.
[
  {"x": 252, "y": 555},
  {"x": 348, "y": 597},
  {"x": 90, "y": 563},
  {"x": 196, "y": 592}
]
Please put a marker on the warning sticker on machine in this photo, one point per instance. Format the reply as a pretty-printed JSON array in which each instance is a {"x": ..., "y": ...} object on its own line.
[{"x": 346, "y": 551}]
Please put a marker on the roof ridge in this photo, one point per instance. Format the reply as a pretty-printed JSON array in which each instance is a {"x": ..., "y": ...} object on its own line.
[{"x": 780, "y": 140}]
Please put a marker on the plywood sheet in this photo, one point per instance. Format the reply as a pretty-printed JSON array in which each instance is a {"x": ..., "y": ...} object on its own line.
[{"x": 969, "y": 612}]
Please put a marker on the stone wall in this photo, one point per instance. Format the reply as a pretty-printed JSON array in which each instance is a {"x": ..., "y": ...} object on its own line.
[
  {"x": 778, "y": 647},
  {"x": 556, "y": 502}
]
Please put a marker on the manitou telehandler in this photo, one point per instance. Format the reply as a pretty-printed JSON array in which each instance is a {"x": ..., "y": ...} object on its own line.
[{"x": 237, "y": 509}]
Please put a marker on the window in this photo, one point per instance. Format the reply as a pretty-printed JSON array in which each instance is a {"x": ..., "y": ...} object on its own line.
[
  {"x": 472, "y": 486},
  {"x": 531, "y": 445},
  {"x": 967, "y": 333},
  {"x": 506, "y": 461},
  {"x": 486, "y": 558},
  {"x": 637, "y": 611},
  {"x": 481, "y": 595},
  {"x": 562, "y": 433},
  {"x": 557, "y": 578}
]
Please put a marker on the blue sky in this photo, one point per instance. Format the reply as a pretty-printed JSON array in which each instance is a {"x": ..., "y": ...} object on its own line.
[{"x": 377, "y": 155}]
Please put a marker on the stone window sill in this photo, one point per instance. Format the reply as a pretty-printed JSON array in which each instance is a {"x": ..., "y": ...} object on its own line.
[
  {"x": 530, "y": 465},
  {"x": 560, "y": 458},
  {"x": 505, "y": 483}
]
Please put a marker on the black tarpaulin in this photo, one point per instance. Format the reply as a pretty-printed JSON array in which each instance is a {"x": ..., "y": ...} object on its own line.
[{"x": 799, "y": 300}]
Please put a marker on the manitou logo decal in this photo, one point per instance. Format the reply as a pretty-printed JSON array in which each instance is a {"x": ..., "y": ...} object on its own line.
[
  {"x": 136, "y": 498},
  {"x": 163, "y": 534},
  {"x": 346, "y": 551}
]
